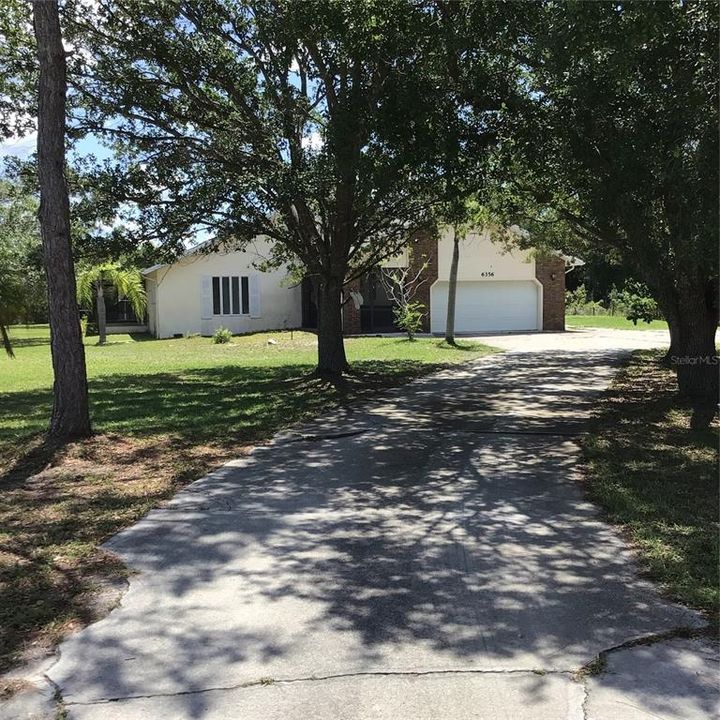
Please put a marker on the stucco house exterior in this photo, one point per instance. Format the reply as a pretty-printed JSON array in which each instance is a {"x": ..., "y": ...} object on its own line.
[
  {"x": 498, "y": 290},
  {"x": 203, "y": 291}
]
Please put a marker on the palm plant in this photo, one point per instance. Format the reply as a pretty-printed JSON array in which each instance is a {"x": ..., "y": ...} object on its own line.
[{"x": 128, "y": 282}]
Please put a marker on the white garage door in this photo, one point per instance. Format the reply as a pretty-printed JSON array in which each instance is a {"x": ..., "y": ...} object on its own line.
[{"x": 486, "y": 306}]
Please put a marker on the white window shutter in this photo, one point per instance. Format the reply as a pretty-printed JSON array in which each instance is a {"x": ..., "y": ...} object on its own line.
[
  {"x": 207, "y": 297},
  {"x": 254, "y": 296}
]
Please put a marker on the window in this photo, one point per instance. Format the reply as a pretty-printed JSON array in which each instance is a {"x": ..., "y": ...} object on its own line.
[
  {"x": 245, "y": 295},
  {"x": 235, "y": 296},
  {"x": 231, "y": 295},
  {"x": 216, "y": 295},
  {"x": 226, "y": 296}
]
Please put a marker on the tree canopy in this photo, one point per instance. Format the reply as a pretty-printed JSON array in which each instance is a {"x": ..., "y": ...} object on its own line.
[
  {"x": 22, "y": 284},
  {"x": 616, "y": 147},
  {"x": 91, "y": 281},
  {"x": 318, "y": 124}
]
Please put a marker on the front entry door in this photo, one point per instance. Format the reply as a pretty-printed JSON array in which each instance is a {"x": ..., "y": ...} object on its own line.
[{"x": 376, "y": 312}]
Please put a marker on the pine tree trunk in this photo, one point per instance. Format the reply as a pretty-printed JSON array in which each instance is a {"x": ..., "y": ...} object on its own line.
[
  {"x": 331, "y": 348},
  {"x": 452, "y": 291},
  {"x": 101, "y": 313},
  {"x": 70, "y": 414}
]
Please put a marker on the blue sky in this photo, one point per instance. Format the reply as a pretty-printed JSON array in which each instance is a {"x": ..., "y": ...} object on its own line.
[{"x": 25, "y": 146}]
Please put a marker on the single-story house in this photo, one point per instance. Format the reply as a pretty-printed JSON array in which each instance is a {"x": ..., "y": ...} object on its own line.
[{"x": 498, "y": 290}]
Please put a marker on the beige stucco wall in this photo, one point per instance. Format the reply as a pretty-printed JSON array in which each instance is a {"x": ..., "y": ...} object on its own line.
[
  {"x": 397, "y": 261},
  {"x": 175, "y": 294},
  {"x": 481, "y": 259},
  {"x": 497, "y": 287}
]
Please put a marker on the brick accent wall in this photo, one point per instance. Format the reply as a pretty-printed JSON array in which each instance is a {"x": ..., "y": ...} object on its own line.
[
  {"x": 424, "y": 249},
  {"x": 550, "y": 271},
  {"x": 351, "y": 314}
]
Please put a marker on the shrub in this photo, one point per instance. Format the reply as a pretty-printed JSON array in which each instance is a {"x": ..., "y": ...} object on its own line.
[
  {"x": 637, "y": 304},
  {"x": 578, "y": 302},
  {"x": 576, "y": 299},
  {"x": 221, "y": 336},
  {"x": 409, "y": 317}
]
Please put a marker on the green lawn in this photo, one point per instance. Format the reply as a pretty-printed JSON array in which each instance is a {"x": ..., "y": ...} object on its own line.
[
  {"x": 195, "y": 389},
  {"x": 657, "y": 478},
  {"x": 616, "y": 322},
  {"x": 164, "y": 412}
]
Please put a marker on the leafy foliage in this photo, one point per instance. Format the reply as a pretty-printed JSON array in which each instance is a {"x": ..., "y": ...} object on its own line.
[
  {"x": 409, "y": 317},
  {"x": 619, "y": 115},
  {"x": 91, "y": 283},
  {"x": 18, "y": 70},
  {"x": 127, "y": 281},
  {"x": 637, "y": 304},
  {"x": 221, "y": 336},
  {"x": 615, "y": 148},
  {"x": 22, "y": 283},
  {"x": 576, "y": 299},
  {"x": 278, "y": 118},
  {"x": 633, "y": 301}
]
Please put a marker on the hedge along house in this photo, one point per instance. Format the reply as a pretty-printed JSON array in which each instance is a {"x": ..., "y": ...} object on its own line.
[{"x": 498, "y": 291}]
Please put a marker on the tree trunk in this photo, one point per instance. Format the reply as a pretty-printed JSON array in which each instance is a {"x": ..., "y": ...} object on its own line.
[
  {"x": 101, "y": 314},
  {"x": 666, "y": 298},
  {"x": 70, "y": 415},
  {"x": 7, "y": 344},
  {"x": 452, "y": 291},
  {"x": 694, "y": 355},
  {"x": 673, "y": 350},
  {"x": 331, "y": 348}
]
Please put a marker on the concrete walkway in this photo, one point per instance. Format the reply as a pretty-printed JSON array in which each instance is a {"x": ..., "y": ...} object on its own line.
[{"x": 426, "y": 556}]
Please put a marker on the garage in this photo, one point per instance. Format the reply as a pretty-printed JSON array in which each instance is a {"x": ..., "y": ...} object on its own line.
[{"x": 487, "y": 306}]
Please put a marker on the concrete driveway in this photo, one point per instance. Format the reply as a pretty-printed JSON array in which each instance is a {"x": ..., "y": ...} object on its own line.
[{"x": 426, "y": 556}]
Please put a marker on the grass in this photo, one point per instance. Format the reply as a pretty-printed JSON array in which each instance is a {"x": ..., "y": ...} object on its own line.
[
  {"x": 615, "y": 322},
  {"x": 657, "y": 479},
  {"x": 165, "y": 412}
]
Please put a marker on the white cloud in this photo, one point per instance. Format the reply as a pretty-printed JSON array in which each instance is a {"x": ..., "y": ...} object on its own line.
[
  {"x": 19, "y": 147},
  {"x": 313, "y": 141}
]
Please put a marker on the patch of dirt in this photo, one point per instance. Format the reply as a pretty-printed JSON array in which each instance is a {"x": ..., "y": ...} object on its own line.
[
  {"x": 11, "y": 686},
  {"x": 57, "y": 505}
]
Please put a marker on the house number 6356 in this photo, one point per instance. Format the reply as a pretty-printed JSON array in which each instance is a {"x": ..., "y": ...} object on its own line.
[{"x": 488, "y": 273}]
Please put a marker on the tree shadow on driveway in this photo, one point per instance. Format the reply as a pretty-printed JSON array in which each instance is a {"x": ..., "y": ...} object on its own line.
[{"x": 421, "y": 543}]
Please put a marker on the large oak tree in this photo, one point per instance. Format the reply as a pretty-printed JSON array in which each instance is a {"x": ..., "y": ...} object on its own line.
[
  {"x": 309, "y": 122},
  {"x": 616, "y": 149}
]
